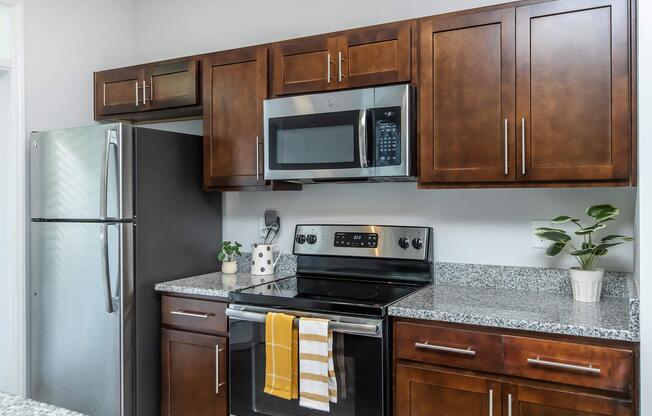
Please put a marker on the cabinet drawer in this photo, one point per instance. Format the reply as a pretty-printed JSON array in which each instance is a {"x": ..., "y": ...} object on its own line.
[
  {"x": 446, "y": 346},
  {"x": 570, "y": 363},
  {"x": 194, "y": 314}
]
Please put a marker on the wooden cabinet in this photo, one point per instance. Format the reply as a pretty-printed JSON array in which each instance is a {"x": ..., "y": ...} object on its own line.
[
  {"x": 148, "y": 92},
  {"x": 537, "y": 94},
  {"x": 427, "y": 392},
  {"x": 572, "y": 81},
  {"x": 525, "y": 400},
  {"x": 361, "y": 57},
  {"x": 462, "y": 370},
  {"x": 467, "y": 98},
  {"x": 193, "y": 374},
  {"x": 234, "y": 87},
  {"x": 194, "y": 357}
]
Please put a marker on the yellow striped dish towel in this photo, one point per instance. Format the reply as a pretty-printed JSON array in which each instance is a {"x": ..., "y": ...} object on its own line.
[
  {"x": 281, "y": 356},
  {"x": 317, "y": 383}
]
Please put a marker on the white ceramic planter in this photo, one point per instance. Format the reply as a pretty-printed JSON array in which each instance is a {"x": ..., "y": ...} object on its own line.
[
  {"x": 229, "y": 267},
  {"x": 587, "y": 284}
]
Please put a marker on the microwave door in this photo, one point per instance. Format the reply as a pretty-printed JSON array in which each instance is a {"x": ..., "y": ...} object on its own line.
[{"x": 318, "y": 146}]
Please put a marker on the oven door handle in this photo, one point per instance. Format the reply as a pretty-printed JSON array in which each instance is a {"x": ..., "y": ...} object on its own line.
[
  {"x": 362, "y": 139},
  {"x": 346, "y": 327}
]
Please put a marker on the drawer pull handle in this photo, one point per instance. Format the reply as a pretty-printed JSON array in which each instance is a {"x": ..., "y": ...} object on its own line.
[
  {"x": 427, "y": 346},
  {"x": 191, "y": 314},
  {"x": 590, "y": 369}
]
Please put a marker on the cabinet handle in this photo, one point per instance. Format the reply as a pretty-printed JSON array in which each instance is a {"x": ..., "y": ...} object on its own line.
[
  {"x": 427, "y": 346},
  {"x": 257, "y": 160},
  {"x": 506, "y": 150},
  {"x": 104, "y": 93},
  {"x": 523, "y": 145},
  {"x": 137, "y": 96},
  {"x": 328, "y": 67},
  {"x": 491, "y": 402},
  {"x": 339, "y": 66},
  {"x": 144, "y": 92},
  {"x": 509, "y": 404},
  {"x": 218, "y": 350},
  {"x": 151, "y": 88},
  {"x": 583, "y": 369},
  {"x": 190, "y": 314}
]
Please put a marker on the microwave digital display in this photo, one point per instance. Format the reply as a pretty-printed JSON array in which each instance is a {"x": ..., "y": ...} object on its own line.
[{"x": 362, "y": 240}]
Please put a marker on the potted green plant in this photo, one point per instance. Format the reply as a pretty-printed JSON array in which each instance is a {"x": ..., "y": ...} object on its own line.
[
  {"x": 586, "y": 279},
  {"x": 227, "y": 256}
]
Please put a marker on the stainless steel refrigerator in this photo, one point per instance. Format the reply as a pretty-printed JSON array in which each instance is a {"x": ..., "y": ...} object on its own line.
[{"x": 115, "y": 209}]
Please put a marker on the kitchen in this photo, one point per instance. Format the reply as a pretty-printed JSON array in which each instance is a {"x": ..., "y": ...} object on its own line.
[{"x": 487, "y": 224}]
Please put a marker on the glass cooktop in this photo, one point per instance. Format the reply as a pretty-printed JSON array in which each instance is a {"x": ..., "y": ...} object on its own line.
[{"x": 330, "y": 294}]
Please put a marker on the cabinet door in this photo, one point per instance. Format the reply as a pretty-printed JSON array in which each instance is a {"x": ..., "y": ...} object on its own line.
[
  {"x": 422, "y": 392},
  {"x": 375, "y": 56},
  {"x": 193, "y": 374},
  {"x": 171, "y": 85},
  {"x": 523, "y": 400},
  {"x": 572, "y": 85},
  {"x": 305, "y": 66},
  {"x": 119, "y": 91},
  {"x": 466, "y": 71},
  {"x": 234, "y": 87}
]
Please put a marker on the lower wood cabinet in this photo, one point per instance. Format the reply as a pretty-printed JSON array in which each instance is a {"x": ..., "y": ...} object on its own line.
[
  {"x": 194, "y": 357},
  {"x": 425, "y": 392},
  {"x": 458, "y": 370},
  {"x": 525, "y": 400}
]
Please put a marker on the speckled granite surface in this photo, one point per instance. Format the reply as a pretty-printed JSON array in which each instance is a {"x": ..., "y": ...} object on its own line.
[
  {"x": 526, "y": 298},
  {"x": 219, "y": 285},
  {"x": 11, "y": 405}
]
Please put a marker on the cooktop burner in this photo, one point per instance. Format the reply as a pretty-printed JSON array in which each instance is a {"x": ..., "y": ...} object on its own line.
[
  {"x": 326, "y": 294},
  {"x": 350, "y": 269}
]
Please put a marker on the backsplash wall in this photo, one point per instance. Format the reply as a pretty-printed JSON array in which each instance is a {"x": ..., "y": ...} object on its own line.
[{"x": 488, "y": 226}]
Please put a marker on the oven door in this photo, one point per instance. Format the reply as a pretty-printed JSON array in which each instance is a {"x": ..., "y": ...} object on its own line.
[
  {"x": 359, "y": 369},
  {"x": 320, "y": 136}
]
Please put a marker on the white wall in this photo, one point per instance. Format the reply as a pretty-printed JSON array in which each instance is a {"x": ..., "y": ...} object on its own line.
[
  {"x": 186, "y": 27},
  {"x": 65, "y": 41},
  {"x": 484, "y": 226},
  {"x": 471, "y": 225},
  {"x": 644, "y": 263}
]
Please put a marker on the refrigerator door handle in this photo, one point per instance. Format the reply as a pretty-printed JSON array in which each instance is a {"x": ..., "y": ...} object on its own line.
[
  {"x": 111, "y": 140},
  {"x": 106, "y": 272}
]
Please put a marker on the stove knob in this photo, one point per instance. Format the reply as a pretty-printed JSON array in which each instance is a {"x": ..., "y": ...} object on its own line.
[
  {"x": 311, "y": 238},
  {"x": 417, "y": 243},
  {"x": 300, "y": 239},
  {"x": 404, "y": 243}
]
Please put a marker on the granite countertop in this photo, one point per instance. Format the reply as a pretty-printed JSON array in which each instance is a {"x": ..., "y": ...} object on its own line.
[
  {"x": 219, "y": 285},
  {"x": 11, "y": 405},
  {"x": 530, "y": 307}
]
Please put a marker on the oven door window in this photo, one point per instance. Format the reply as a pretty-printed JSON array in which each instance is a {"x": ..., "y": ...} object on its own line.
[
  {"x": 315, "y": 141},
  {"x": 358, "y": 368}
]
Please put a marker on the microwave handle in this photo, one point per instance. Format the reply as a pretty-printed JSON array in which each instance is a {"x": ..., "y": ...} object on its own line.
[{"x": 362, "y": 139}]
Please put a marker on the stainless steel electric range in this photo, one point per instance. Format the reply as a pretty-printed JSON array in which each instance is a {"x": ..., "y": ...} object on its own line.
[{"x": 348, "y": 274}]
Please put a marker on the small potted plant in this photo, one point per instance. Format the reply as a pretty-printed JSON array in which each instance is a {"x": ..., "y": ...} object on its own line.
[
  {"x": 586, "y": 279},
  {"x": 227, "y": 256}
]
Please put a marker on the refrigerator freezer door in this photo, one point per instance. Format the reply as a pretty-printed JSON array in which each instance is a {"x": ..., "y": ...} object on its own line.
[
  {"x": 76, "y": 346},
  {"x": 82, "y": 173}
]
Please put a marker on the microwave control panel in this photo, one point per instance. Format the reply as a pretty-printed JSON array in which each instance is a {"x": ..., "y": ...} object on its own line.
[{"x": 387, "y": 132}]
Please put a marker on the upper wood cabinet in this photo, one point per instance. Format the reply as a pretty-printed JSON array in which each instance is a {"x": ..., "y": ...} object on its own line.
[
  {"x": 467, "y": 98},
  {"x": 134, "y": 93},
  {"x": 361, "y": 57},
  {"x": 572, "y": 83},
  {"x": 235, "y": 85},
  {"x": 535, "y": 94}
]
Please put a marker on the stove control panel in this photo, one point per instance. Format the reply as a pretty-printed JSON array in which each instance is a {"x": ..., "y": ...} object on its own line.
[{"x": 410, "y": 243}]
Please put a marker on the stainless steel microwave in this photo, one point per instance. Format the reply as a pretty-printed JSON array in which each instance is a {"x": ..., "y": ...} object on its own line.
[{"x": 355, "y": 135}]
